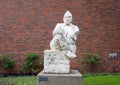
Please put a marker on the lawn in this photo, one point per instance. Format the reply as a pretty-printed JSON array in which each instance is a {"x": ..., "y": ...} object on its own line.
[
  {"x": 89, "y": 80},
  {"x": 22, "y": 80},
  {"x": 102, "y": 80}
]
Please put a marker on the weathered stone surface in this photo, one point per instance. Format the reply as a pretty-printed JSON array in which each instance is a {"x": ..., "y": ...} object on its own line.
[
  {"x": 56, "y": 62},
  {"x": 65, "y": 35},
  {"x": 73, "y": 78}
]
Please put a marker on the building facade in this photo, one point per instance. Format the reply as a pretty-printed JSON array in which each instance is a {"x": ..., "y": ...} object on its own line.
[{"x": 27, "y": 25}]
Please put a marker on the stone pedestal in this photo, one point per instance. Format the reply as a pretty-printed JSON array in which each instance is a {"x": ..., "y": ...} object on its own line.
[
  {"x": 73, "y": 78},
  {"x": 56, "y": 62}
]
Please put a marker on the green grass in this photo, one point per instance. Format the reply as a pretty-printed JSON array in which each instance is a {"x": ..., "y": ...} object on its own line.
[
  {"x": 102, "y": 80},
  {"x": 23, "y": 80},
  {"x": 87, "y": 80}
]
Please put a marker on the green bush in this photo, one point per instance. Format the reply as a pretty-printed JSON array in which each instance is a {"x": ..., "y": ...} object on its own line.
[
  {"x": 41, "y": 62},
  {"x": 30, "y": 65},
  {"x": 6, "y": 61},
  {"x": 6, "y": 64},
  {"x": 90, "y": 60}
]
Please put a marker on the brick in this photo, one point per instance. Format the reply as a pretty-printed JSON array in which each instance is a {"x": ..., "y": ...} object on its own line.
[{"x": 26, "y": 26}]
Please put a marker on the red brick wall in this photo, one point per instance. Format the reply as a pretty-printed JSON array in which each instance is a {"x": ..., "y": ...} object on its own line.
[{"x": 27, "y": 25}]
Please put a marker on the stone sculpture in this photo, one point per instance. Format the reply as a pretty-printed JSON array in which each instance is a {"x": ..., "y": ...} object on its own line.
[{"x": 63, "y": 48}]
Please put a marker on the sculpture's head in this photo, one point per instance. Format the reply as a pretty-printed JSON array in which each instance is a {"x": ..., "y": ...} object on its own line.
[{"x": 67, "y": 19}]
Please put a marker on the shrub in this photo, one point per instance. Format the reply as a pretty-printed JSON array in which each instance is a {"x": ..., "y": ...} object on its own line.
[
  {"x": 6, "y": 61},
  {"x": 91, "y": 60},
  {"x": 41, "y": 62},
  {"x": 30, "y": 65}
]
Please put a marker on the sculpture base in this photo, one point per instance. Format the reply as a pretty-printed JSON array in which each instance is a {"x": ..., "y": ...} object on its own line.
[
  {"x": 73, "y": 78},
  {"x": 56, "y": 62}
]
